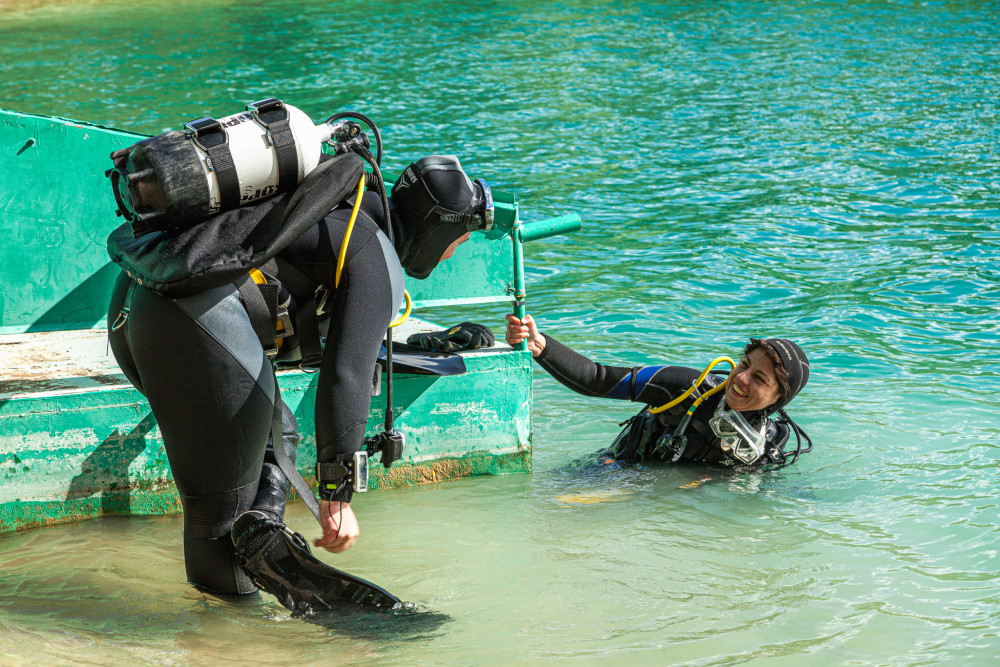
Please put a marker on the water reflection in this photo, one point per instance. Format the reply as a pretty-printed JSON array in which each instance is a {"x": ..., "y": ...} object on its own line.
[{"x": 827, "y": 172}]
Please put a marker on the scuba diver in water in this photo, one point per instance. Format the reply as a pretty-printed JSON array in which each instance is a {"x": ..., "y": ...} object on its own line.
[
  {"x": 690, "y": 415},
  {"x": 200, "y": 362}
]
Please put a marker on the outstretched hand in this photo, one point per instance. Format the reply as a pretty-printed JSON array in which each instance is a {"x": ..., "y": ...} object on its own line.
[
  {"x": 340, "y": 526},
  {"x": 525, "y": 329}
]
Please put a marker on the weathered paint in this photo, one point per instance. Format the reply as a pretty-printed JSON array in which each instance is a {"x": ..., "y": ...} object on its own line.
[
  {"x": 56, "y": 211},
  {"x": 73, "y": 446},
  {"x": 76, "y": 440}
]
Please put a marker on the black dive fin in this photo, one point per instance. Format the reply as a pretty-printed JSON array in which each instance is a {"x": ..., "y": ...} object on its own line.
[
  {"x": 284, "y": 567},
  {"x": 421, "y": 361}
]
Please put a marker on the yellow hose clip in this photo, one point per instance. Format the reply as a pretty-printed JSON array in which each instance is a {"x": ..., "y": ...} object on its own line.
[
  {"x": 406, "y": 314},
  {"x": 257, "y": 276},
  {"x": 283, "y": 324},
  {"x": 342, "y": 255},
  {"x": 695, "y": 385}
]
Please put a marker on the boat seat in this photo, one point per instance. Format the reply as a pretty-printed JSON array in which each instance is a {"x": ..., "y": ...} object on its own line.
[{"x": 51, "y": 363}]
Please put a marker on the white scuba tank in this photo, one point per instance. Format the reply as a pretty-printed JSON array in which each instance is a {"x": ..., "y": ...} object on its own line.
[
  {"x": 256, "y": 158},
  {"x": 179, "y": 178}
]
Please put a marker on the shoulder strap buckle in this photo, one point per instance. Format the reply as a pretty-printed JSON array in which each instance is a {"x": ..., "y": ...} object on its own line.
[
  {"x": 283, "y": 325},
  {"x": 321, "y": 295},
  {"x": 202, "y": 127}
]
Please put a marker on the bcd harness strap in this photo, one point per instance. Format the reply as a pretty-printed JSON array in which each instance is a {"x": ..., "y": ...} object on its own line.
[
  {"x": 279, "y": 133},
  {"x": 283, "y": 460},
  {"x": 212, "y": 138},
  {"x": 707, "y": 437},
  {"x": 312, "y": 302},
  {"x": 126, "y": 307},
  {"x": 260, "y": 299}
]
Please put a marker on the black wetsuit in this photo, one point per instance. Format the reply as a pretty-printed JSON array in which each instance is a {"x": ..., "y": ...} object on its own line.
[
  {"x": 654, "y": 386},
  {"x": 211, "y": 387}
]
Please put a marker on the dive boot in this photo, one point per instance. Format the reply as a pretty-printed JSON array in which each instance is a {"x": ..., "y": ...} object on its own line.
[{"x": 279, "y": 562}]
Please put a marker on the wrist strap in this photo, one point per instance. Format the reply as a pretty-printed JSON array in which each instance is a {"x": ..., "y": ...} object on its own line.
[{"x": 334, "y": 479}]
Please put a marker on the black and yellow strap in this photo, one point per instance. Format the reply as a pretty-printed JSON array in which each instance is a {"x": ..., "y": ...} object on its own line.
[
  {"x": 260, "y": 299},
  {"x": 261, "y": 303}
]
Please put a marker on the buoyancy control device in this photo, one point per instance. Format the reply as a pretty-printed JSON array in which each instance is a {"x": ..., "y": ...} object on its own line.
[
  {"x": 183, "y": 237},
  {"x": 650, "y": 436},
  {"x": 177, "y": 179}
]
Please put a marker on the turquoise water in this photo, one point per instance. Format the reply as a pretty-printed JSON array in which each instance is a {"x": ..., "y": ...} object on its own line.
[{"x": 823, "y": 171}]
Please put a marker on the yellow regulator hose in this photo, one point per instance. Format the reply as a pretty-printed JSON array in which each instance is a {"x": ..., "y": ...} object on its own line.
[
  {"x": 347, "y": 235},
  {"x": 342, "y": 255},
  {"x": 406, "y": 314},
  {"x": 697, "y": 383}
]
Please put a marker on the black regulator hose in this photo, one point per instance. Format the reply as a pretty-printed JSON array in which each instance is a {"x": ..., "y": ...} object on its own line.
[
  {"x": 799, "y": 435},
  {"x": 379, "y": 183},
  {"x": 375, "y": 161},
  {"x": 389, "y": 437},
  {"x": 367, "y": 121}
]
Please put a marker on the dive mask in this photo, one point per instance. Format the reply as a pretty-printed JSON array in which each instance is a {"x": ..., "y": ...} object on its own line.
[
  {"x": 739, "y": 439},
  {"x": 481, "y": 217}
]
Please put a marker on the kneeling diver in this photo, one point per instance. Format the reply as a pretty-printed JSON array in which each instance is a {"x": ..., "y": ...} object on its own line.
[
  {"x": 690, "y": 415},
  {"x": 200, "y": 363}
]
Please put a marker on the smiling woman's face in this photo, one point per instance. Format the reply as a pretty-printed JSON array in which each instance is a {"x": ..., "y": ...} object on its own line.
[{"x": 753, "y": 385}]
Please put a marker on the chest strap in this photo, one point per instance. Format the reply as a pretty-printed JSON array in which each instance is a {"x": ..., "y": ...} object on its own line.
[
  {"x": 261, "y": 303},
  {"x": 312, "y": 302}
]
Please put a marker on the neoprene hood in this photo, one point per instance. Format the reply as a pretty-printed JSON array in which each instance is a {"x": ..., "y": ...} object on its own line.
[
  {"x": 434, "y": 203},
  {"x": 796, "y": 364}
]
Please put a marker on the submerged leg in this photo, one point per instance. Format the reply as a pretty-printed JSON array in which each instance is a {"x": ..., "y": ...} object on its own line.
[{"x": 211, "y": 389}]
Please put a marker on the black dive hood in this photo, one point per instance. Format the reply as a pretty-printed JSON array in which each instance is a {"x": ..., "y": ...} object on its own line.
[
  {"x": 435, "y": 203},
  {"x": 796, "y": 364}
]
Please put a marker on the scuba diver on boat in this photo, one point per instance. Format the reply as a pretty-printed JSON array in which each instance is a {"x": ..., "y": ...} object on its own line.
[
  {"x": 309, "y": 277},
  {"x": 690, "y": 415}
]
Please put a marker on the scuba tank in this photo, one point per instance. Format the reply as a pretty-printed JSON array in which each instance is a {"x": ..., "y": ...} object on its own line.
[{"x": 174, "y": 180}]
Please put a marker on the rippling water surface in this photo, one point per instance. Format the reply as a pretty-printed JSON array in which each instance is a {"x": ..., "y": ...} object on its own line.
[{"x": 822, "y": 171}]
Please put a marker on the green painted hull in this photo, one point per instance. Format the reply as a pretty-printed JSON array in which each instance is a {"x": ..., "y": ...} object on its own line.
[
  {"x": 77, "y": 441},
  {"x": 75, "y": 447}
]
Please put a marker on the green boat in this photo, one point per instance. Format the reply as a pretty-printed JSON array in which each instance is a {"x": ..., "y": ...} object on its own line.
[{"x": 77, "y": 441}]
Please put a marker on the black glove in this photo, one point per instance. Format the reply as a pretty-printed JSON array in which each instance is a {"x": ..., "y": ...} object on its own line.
[{"x": 465, "y": 336}]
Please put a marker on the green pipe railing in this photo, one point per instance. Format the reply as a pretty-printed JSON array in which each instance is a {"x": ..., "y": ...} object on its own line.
[
  {"x": 542, "y": 229},
  {"x": 533, "y": 231}
]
